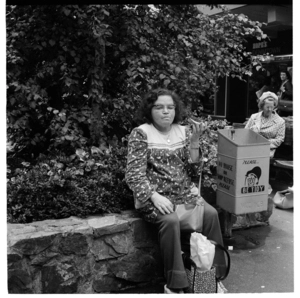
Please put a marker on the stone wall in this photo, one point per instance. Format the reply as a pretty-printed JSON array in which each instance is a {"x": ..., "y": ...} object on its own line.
[{"x": 99, "y": 254}]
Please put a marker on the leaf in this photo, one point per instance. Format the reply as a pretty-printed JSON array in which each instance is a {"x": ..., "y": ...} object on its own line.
[
  {"x": 122, "y": 48},
  {"x": 32, "y": 104},
  {"x": 80, "y": 153},
  {"x": 69, "y": 138},
  {"x": 12, "y": 101},
  {"x": 162, "y": 76},
  {"x": 96, "y": 150},
  {"x": 52, "y": 42},
  {"x": 63, "y": 118},
  {"x": 105, "y": 12},
  {"x": 177, "y": 69},
  {"x": 166, "y": 82},
  {"x": 66, "y": 11}
]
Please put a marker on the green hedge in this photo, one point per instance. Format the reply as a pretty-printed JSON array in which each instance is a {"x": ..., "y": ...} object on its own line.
[
  {"x": 88, "y": 182},
  {"x": 91, "y": 181}
]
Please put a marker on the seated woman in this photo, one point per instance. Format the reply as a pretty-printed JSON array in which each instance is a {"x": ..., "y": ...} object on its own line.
[
  {"x": 267, "y": 122},
  {"x": 161, "y": 156}
]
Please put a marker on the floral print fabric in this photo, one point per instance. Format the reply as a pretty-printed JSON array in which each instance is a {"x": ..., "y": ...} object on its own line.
[
  {"x": 154, "y": 164},
  {"x": 272, "y": 128}
]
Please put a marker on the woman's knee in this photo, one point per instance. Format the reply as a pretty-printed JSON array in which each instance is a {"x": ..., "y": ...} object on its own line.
[
  {"x": 169, "y": 222},
  {"x": 210, "y": 210},
  {"x": 210, "y": 214}
]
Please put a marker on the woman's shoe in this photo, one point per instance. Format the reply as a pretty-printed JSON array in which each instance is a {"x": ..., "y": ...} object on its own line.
[{"x": 168, "y": 291}]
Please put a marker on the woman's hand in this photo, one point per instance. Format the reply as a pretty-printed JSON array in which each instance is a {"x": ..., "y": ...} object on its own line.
[
  {"x": 163, "y": 204},
  {"x": 197, "y": 200},
  {"x": 198, "y": 129}
]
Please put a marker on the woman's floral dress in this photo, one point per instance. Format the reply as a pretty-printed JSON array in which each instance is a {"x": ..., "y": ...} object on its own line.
[{"x": 160, "y": 163}]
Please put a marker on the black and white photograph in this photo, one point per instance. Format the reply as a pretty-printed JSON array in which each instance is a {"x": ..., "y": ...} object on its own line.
[{"x": 149, "y": 148}]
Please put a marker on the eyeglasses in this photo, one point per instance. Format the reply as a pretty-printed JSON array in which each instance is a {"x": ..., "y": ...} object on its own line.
[{"x": 162, "y": 107}]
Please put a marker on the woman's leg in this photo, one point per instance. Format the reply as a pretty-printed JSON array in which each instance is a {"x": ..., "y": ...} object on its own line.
[
  {"x": 170, "y": 247},
  {"x": 212, "y": 230}
]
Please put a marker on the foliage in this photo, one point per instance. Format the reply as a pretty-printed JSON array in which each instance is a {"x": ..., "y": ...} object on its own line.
[
  {"x": 75, "y": 75},
  {"x": 209, "y": 148},
  {"x": 85, "y": 183}
]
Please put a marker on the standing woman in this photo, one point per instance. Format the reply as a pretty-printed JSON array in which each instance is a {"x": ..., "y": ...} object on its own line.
[
  {"x": 161, "y": 157},
  {"x": 267, "y": 122},
  {"x": 286, "y": 88},
  {"x": 285, "y": 95}
]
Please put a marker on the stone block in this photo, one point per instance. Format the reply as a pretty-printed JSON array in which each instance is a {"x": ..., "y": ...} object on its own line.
[
  {"x": 70, "y": 221},
  {"x": 119, "y": 243},
  {"x": 33, "y": 246},
  {"x": 144, "y": 234},
  {"x": 103, "y": 280},
  {"x": 19, "y": 282},
  {"x": 137, "y": 267},
  {"x": 43, "y": 257},
  {"x": 61, "y": 278},
  {"x": 76, "y": 244},
  {"x": 102, "y": 251},
  {"x": 105, "y": 284},
  {"x": 20, "y": 229},
  {"x": 13, "y": 260},
  {"x": 101, "y": 254},
  {"x": 107, "y": 225}
]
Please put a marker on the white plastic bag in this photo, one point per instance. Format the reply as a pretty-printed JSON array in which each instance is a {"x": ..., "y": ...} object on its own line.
[{"x": 202, "y": 251}]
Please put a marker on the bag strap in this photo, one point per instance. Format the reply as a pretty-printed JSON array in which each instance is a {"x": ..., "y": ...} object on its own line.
[{"x": 228, "y": 259}]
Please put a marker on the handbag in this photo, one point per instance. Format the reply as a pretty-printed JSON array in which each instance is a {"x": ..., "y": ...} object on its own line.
[
  {"x": 190, "y": 215},
  {"x": 204, "y": 281},
  {"x": 285, "y": 105},
  {"x": 284, "y": 199}
]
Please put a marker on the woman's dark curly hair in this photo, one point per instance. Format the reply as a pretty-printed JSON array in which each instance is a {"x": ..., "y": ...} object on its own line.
[
  {"x": 144, "y": 112},
  {"x": 287, "y": 74}
]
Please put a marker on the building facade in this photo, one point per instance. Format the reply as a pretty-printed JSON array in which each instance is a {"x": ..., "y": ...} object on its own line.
[{"x": 236, "y": 100}]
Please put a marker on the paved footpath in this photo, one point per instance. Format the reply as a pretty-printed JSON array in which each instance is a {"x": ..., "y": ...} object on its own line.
[
  {"x": 268, "y": 266},
  {"x": 262, "y": 258}
]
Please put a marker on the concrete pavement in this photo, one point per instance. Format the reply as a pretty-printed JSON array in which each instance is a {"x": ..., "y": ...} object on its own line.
[
  {"x": 262, "y": 258},
  {"x": 266, "y": 266}
]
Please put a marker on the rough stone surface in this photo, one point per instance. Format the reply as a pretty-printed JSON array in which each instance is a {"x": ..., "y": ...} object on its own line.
[
  {"x": 19, "y": 282},
  {"x": 74, "y": 244},
  {"x": 99, "y": 254},
  {"x": 136, "y": 268}
]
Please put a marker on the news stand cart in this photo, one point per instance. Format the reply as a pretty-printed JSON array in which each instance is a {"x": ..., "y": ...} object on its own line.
[{"x": 242, "y": 173}]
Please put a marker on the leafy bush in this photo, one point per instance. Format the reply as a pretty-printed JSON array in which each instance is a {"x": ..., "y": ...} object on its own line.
[
  {"x": 209, "y": 147},
  {"x": 88, "y": 182},
  {"x": 75, "y": 75}
]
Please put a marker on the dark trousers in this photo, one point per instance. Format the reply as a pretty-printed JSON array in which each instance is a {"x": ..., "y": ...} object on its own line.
[{"x": 172, "y": 242}]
